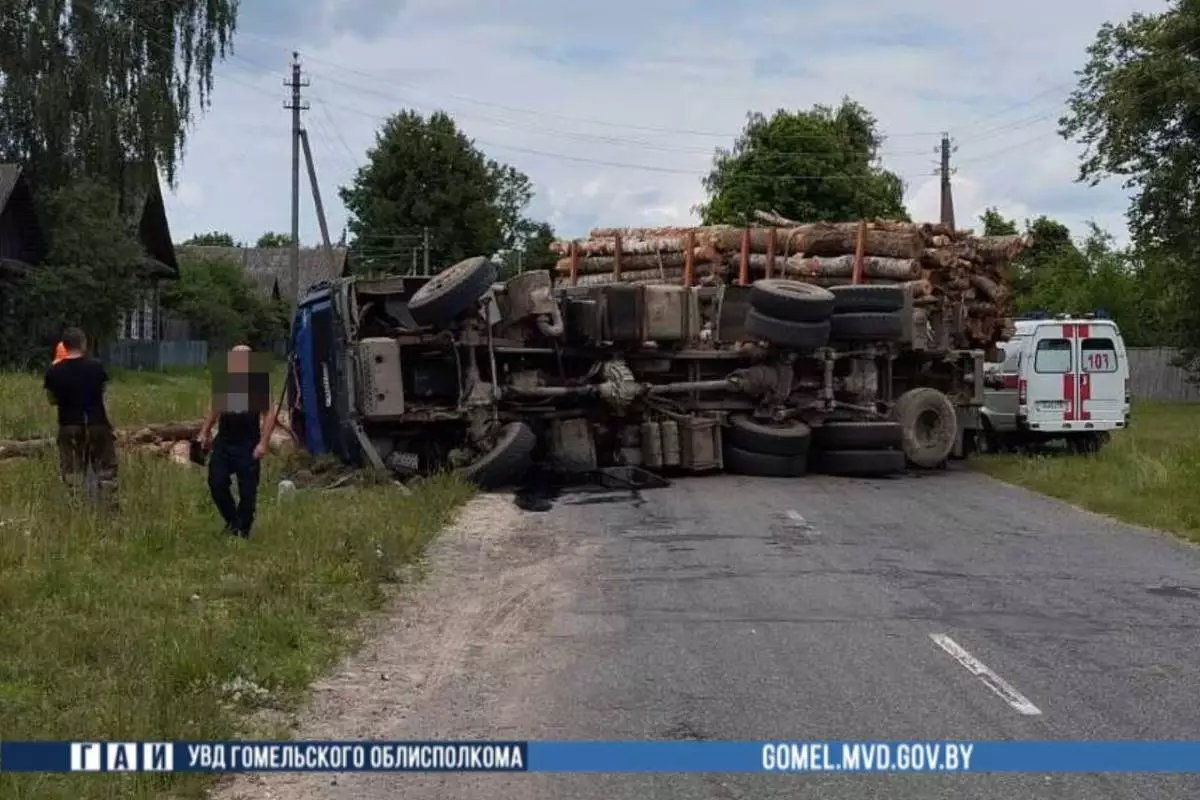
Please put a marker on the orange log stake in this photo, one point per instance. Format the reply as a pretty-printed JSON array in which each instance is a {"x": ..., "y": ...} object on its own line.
[
  {"x": 689, "y": 258},
  {"x": 744, "y": 269},
  {"x": 859, "y": 248}
]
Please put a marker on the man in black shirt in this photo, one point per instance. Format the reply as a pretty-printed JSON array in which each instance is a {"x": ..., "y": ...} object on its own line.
[
  {"x": 76, "y": 385},
  {"x": 241, "y": 412}
]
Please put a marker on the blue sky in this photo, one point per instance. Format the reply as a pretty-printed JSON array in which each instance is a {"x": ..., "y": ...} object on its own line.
[{"x": 613, "y": 109}]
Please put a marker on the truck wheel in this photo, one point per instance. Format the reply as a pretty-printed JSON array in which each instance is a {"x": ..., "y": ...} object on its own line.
[
  {"x": 764, "y": 465},
  {"x": 867, "y": 326},
  {"x": 452, "y": 291},
  {"x": 782, "y": 333},
  {"x": 861, "y": 298},
  {"x": 746, "y": 433},
  {"x": 860, "y": 462},
  {"x": 859, "y": 436},
  {"x": 507, "y": 462},
  {"x": 930, "y": 426},
  {"x": 791, "y": 300}
]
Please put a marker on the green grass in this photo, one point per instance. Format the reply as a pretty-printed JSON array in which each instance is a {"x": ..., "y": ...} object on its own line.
[
  {"x": 1147, "y": 475},
  {"x": 129, "y": 628},
  {"x": 134, "y": 398}
]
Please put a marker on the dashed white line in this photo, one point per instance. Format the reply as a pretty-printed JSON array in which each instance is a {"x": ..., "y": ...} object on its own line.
[
  {"x": 1001, "y": 687},
  {"x": 794, "y": 516}
]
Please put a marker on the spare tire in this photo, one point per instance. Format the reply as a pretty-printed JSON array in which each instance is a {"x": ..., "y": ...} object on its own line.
[
  {"x": 791, "y": 300},
  {"x": 746, "y": 433},
  {"x": 508, "y": 460},
  {"x": 867, "y": 326},
  {"x": 764, "y": 465},
  {"x": 452, "y": 291},
  {"x": 862, "y": 463},
  {"x": 783, "y": 333},
  {"x": 867, "y": 297},
  {"x": 859, "y": 436},
  {"x": 930, "y": 424}
]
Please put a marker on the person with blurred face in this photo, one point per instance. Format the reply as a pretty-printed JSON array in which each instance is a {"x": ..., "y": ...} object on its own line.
[{"x": 241, "y": 413}]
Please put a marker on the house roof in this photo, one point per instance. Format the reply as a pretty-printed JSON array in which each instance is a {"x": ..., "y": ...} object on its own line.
[
  {"x": 142, "y": 206},
  {"x": 16, "y": 198},
  {"x": 270, "y": 267}
]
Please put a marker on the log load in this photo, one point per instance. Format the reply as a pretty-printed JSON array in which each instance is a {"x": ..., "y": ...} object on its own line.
[{"x": 954, "y": 271}]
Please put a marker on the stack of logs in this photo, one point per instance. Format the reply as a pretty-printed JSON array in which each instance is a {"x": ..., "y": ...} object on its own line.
[{"x": 955, "y": 271}]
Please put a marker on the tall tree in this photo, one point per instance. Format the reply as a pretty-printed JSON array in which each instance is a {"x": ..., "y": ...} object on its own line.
[
  {"x": 273, "y": 239},
  {"x": 1134, "y": 109},
  {"x": 90, "y": 87},
  {"x": 810, "y": 166},
  {"x": 213, "y": 239},
  {"x": 426, "y": 174}
]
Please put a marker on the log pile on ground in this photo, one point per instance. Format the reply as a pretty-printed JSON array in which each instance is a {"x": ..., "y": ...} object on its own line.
[{"x": 954, "y": 271}]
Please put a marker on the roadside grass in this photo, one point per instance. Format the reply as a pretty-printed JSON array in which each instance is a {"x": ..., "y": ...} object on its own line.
[
  {"x": 134, "y": 398},
  {"x": 1147, "y": 475},
  {"x": 154, "y": 626}
]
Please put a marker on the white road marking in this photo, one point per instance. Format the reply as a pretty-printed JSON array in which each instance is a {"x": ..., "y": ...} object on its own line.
[
  {"x": 990, "y": 679},
  {"x": 794, "y": 516},
  {"x": 800, "y": 522}
]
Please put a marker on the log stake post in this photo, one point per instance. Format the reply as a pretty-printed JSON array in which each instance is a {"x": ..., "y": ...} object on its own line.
[
  {"x": 689, "y": 257},
  {"x": 771, "y": 253},
  {"x": 574, "y": 262},
  {"x": 859, "y": 248},
  {"x": 744, "y": 268},
  {"x": 617, "y": 258}
]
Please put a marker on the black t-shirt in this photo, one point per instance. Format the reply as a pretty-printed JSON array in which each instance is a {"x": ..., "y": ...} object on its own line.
[
  {"x": 77, "y": 385},
  {"x": 239, "y": 427}
]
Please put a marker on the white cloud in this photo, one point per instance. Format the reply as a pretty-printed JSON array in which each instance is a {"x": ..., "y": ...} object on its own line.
[{"x": 543, "y": 85}]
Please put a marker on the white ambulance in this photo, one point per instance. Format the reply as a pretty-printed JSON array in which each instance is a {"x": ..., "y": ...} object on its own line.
[{"x": 1063, "y": 378}]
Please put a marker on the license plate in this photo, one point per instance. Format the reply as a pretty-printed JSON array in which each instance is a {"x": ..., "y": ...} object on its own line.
[{"x": 1051, "y": 405}]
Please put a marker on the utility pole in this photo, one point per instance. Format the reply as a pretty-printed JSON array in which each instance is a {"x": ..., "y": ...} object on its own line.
[
  {"x": 295, "y": 106},
  {"x": 414, "y": 264},
  {"x": 425, "y": 244},
  {"x": 520, "y": 261},
  {"x": 947, "y": 197}
]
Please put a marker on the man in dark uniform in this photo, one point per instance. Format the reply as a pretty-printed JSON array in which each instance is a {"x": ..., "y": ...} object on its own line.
[
  {"x": 241, "y": 412},
  {"x": 76, "y": 385}
]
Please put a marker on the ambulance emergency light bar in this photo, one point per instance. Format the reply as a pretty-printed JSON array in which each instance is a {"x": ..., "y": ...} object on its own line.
[{"x": 610, "y": 757}]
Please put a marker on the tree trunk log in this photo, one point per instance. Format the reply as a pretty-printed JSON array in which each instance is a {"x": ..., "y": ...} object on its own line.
[
  {"x": 592, "y": 265},
  {"x": 843, "y": 266},
  {"x": 151, "y": 434},
  {"x": 834, "y": 239},
  {"x": 1000, "y": 249}
]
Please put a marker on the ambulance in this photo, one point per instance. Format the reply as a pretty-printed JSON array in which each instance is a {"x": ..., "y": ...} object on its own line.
[{"x": 1064, "y": 378}]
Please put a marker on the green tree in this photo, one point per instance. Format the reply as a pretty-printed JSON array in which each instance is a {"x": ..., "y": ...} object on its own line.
[
  {"x": 89, "y": 278},
  {"x": 425, "y": 173},
  {"x": 222, "y": 305},
  {"x": 817, "y": 165},
  {"x": 996, "y": 224},
  {"x": 532, "y": 250},
  {"x": 213, "y": 239},
  {"x": 1134, "y": 110},
  {"x": 88, "y": 88},
  {"x": 273, "y": 239}
]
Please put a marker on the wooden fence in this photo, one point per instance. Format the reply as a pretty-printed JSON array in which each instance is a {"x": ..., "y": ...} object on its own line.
[
  {"x": 144, "y": 355},
  {"x": 1153, "y": 377}
]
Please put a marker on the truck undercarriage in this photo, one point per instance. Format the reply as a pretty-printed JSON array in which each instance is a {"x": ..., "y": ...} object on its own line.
[{"x": 460, "y": 372}]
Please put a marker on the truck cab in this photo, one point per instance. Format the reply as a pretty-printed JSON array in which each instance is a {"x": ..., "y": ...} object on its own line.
[{"x": 1065, "y": 379}]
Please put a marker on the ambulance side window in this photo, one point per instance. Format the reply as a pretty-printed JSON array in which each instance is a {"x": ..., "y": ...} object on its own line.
[
  {"x": 1099, "y": 355},
  {"x": 1053, "y": 356}
]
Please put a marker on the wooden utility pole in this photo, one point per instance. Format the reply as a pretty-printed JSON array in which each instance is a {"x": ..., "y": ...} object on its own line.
[
  {"x": 316, "y": 193},
  {"x": 295, "y": 106},
  {"x": 425, "y": 246},
  {"x": 946, "y": 172}
]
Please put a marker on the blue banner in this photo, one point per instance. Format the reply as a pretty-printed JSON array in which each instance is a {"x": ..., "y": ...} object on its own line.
[{"x": 603, "y": 757}]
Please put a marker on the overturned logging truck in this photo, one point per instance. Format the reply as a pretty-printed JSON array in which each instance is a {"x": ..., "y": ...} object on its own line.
[{"x": 853, "y": 349}]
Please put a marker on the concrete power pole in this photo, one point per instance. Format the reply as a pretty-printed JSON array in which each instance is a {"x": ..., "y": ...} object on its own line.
[
  {"x": 947, "y": 197},
  {"x": 295, "y": 106}
]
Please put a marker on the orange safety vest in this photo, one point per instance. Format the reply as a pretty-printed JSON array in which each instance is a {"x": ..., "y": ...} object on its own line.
[{"x": 60, "y": 352}]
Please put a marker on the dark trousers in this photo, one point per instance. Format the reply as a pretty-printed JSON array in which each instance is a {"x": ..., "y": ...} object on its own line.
[
  {"x": 89, "y": 447},
  {"x": 231, "y": 460}
]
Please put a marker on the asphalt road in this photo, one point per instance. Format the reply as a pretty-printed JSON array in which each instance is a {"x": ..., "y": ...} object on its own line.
[{"x": 735, "y": 608}]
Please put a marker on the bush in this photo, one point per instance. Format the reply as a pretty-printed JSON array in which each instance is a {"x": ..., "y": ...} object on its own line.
[{"x": 223, "y": 307}]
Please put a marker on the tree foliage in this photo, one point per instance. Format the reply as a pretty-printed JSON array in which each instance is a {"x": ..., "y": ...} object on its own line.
[
  {"x": 273, "y": 239},
  {"x": 89, "y": 87},
  {"x": 424, "y": 173},
  {"x": 213, "y": 239},
  {"x": 223, "y": 307},
  {"x": 1134, "y": 109},
  {"x": 89, "y": 278},
  {"x": 810, "y": 166}
]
